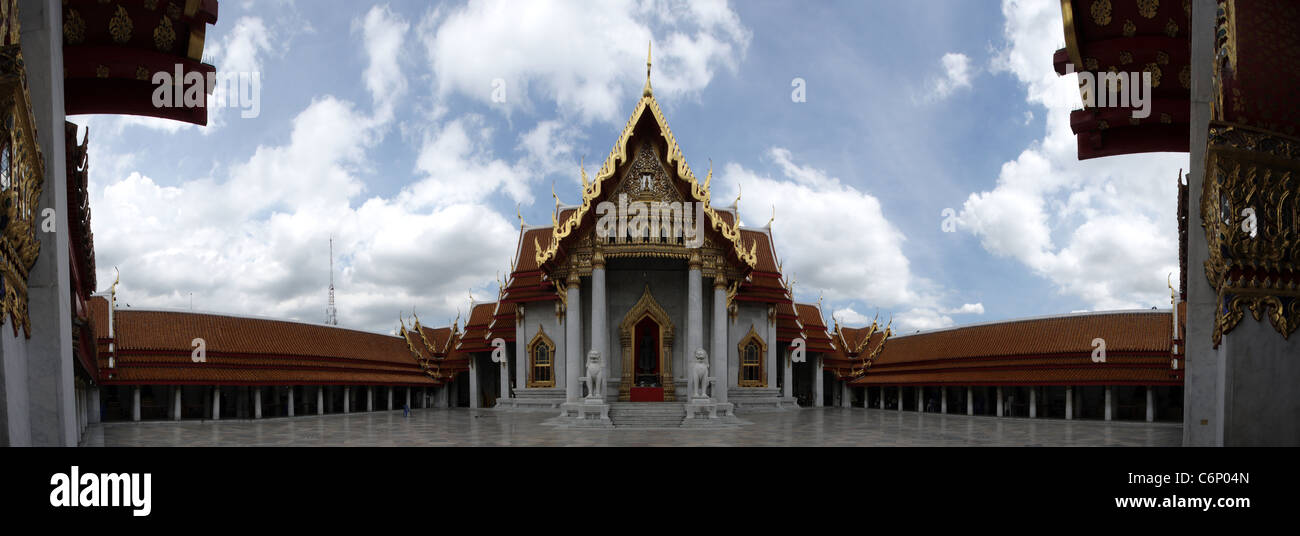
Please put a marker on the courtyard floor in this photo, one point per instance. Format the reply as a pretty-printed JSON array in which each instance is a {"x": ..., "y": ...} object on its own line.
[{"x": 807, "y": 427}]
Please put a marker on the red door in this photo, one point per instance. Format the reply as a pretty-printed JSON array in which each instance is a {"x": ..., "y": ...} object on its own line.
[{"x": 646, "y": 384}]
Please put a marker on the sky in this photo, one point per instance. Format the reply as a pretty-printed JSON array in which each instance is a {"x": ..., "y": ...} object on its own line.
[{"x": 414, "y": 132}]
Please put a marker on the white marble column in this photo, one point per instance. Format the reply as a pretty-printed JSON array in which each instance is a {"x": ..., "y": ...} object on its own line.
[
  {"x": 920, "y": 399},
  {"x": 521, "y": 348},
  {"x": 1033, "y": 402},
  {"x": 370, "y": 398},
  {"x": 818, "y": 397},
  {"x": 943, "y": 400},
  {"x": 573, "y": 339},
  {"x": 177, "y": 408},
  {"x": 787, "y": 390},
  {"x": 504, "y": 368},
  {"x": 1000, "y": 405},
  {"x": 1069, "y": 402},
  {"x": 347, "y": 399},
  {"x": 900, "y": 398},
  {"x": 719, "y": 335},
  {"x": 599, "y": 315},
  {"x": 408, "y": 397},
  {"x": 695, "y": 316},
  {"x": 290, "y": 408},
  {"x": 390, "y": 398},
  {"x": 1110, "y": 403},
  {"x": 320, "y": 399},
  {"x": 970, "y": 401},
  {"x": 773, "y": 362},
  {"x": 93, "y": 404},
  {"x": 257, "y": 402},
  {"x": 216, "y": 403},
  {"x": 135, "y": 404},
  {"x": 1151, "y": 405},
  {"x": 473, "y": 381}
]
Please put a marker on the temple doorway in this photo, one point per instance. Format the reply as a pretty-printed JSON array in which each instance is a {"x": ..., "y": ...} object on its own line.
[
  {"x": 646, "y": 333},
  {"x": 647, "y": 353}
]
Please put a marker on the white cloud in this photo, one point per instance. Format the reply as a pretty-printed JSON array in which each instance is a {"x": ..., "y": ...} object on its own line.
[
  {"x": 385, "y": 36},
  {"x": 590, "y": 62},
  {"x": 1102, "y": 230},
  {"x": 957, "y": 75},
  {"x": 967, "y": 309},
  {"x": 865, "y": 267}
]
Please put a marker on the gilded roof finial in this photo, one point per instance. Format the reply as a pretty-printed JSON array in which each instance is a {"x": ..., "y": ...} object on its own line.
[
  {"x": 520, "y": 214},
  {"x": 739, "y": 190},
  {"x": 1173, "y": 294},
  {"x": 647, "y": 92},
  {"x": 769, "y": 222}
]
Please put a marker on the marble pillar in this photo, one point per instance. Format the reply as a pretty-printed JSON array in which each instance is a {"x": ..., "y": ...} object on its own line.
[
  {"x": 390, "y": 398},
  {"x": 93, "y": 403},
  {"x": 846, "y": 395},
  {"x": 920, "y": 399},
  {"x": 177, "y": 407},
  {"x": 135, "y": 404},
  {"x": 473, "y": 382},
  {"x": 504, "y": 382},
  {"x": 370, "y": 398},
  {"x": 773, "y": 359},
  {"x": 1000, "y": 405},
  {"x": 943, "y": 400},
  {"x": 290, "y": 404},
  {"x": 900, "y": 398},
  {"x": 1069, "y": 402},
  {"x": 347, "y": 399},
  {"x": 818, "y": 379},
  {"x": 320, "y": 400},
  {"x": 718, "y": 369},
  {"x": 599, "y": 315},
  {"x": 970, "y": 401},
  {"x": 695, "y": 314},
  {"x": 1110, "y": 403},
  {"x": 787, "y": 390},
  {"x": 257, "y": 402},
  {"x": 408, "y": 397},
  {"x": 216, "y": 403},
  {"x": 572, "y": 339},
  {"x": 1033, "y": 402},
  {"x": 1151, "y": 405}
]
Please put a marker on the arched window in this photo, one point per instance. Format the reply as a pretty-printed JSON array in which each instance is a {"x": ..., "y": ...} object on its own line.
[
  {"x": 753, "y": 353},
  {"x": 541, "y": 360}
]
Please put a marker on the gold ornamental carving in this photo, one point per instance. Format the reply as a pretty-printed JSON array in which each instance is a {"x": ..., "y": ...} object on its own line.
[
  {"x": 1250, "y": 211},
  {"x": 1148, "y": 8},
  {"x": 22, "y": 177},
  {"x": 120, "y": 26},
  {"x": 74, "y": 28},
  {"x": 1101, "y": 12},
  {"x": 164, "y": 36}
]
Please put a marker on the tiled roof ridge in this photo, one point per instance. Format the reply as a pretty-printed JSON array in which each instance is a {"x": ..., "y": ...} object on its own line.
[{"x": 1081, "y": 314}]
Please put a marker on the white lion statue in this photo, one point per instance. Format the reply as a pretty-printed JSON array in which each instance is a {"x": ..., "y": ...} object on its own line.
[
  {"x": 699, "y": 375},
  {"x": 595, "y": 378}
]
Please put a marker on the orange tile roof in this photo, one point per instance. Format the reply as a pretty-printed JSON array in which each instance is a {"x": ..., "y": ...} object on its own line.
[
  {"x": 1043, "y": 351},
  {"x": 156, "y": 347}
]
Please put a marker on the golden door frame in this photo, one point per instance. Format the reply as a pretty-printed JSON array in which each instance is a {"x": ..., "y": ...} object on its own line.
[{"x": 647, "y": 307}]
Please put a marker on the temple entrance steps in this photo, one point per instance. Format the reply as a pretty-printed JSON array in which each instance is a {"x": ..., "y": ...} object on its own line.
[{"x": 647, "y": 414}]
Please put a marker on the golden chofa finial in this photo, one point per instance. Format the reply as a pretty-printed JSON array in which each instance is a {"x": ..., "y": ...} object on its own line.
[
  {"x": 647, "y": 92},
  {"x": 769, "y": 222},
  {"x": 519, "y": 214}
]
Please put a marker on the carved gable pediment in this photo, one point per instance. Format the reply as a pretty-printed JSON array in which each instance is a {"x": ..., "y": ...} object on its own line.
[{"x": 645, "y": 179}]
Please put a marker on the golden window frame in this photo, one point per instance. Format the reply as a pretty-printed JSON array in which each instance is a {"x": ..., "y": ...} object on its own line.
[
  {"x": 540, "y": 338},
  {"x": 752, "y": 338}
]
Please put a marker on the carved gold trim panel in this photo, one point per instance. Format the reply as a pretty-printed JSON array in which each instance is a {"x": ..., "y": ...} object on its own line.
[
  {"x": 22, "y": 177},
  {"x": 1250, "y": 211}
]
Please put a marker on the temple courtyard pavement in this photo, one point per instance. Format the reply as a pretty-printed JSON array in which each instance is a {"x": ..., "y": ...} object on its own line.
[{"x": 805, "y": 427}]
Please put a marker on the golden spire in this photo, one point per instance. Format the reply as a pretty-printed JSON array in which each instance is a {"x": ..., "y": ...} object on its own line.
[{"x": 647, "y": 92}]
